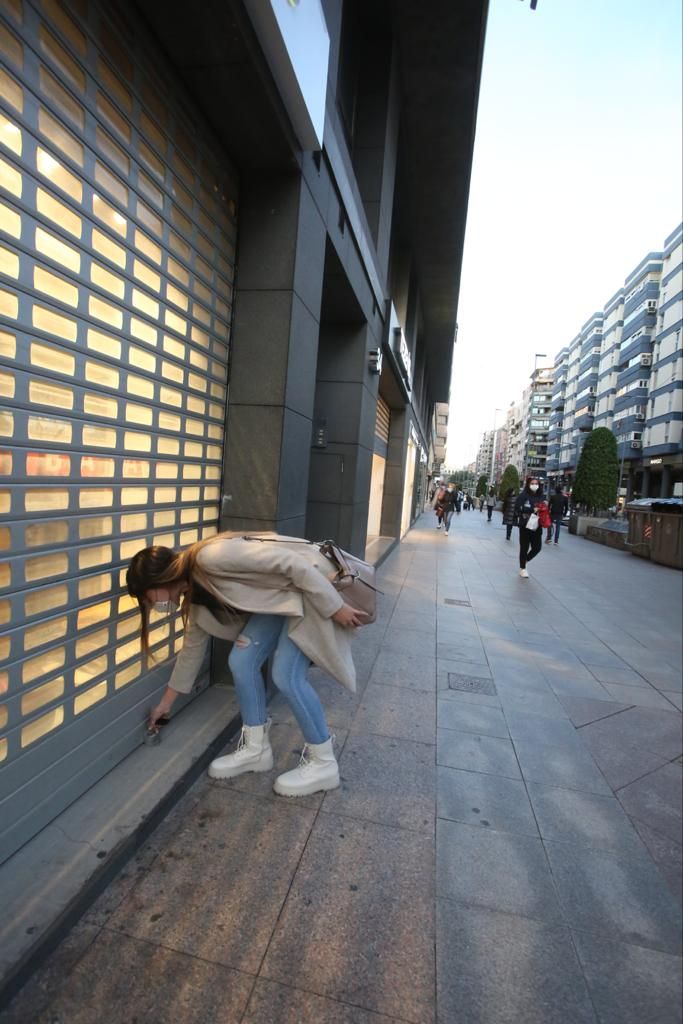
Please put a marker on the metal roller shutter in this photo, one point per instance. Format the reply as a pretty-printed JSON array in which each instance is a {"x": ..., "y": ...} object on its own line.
[{"x": 117, "y": 239}]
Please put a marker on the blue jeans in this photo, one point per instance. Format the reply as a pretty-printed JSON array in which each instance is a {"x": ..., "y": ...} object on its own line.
[
  {"x": 557, "y": 523},
  {"x": 448, "y": 515},
  {"x": 266, "y": 635}
]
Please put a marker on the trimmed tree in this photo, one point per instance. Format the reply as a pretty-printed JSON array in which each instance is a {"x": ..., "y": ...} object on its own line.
[
  {"x": 597, "y": 474},
  {"x": 481, "y": 487},
  {"x": 510, "y": 479}
]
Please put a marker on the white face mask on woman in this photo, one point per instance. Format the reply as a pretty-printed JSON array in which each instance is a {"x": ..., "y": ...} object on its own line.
[{"x": 533, "y": 488}]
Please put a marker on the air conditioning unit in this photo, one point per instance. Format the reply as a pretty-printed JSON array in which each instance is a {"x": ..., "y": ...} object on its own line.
[
  {"x": 636, "y": 444},
  {"x": 652, "y": 305},
  {"x": 640, "y": 416},
  {"x": 646, "y": 360}
]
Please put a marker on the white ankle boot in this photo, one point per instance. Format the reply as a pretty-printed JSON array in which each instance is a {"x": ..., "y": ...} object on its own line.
[
  {"x": 254, "y": 754},
  {"x": 317, "y": 770}
]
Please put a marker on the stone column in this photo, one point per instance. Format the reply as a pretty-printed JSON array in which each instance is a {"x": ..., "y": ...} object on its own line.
[
  {"x": 665, "y": 486},
  {"x": 345, "y": 409},
  {"x": 273, "y": 355}
]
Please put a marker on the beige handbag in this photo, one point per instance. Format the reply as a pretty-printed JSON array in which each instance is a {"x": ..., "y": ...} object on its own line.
[{"x": 353, "y": 578}]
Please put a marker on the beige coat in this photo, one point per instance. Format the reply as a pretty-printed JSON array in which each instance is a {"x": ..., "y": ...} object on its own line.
[{"x": 289, "y": 579}]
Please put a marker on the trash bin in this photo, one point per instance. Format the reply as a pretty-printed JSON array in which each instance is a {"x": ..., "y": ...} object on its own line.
[
  {"x": 667, "y": 532},
  {"x": 640, "y": 527}
]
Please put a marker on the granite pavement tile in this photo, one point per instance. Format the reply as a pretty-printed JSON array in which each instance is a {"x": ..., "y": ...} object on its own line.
[
  {"x": 424, "y": 622},
  {"x": 510, "y": 970},
  {"x": 629, "y": 984},
  {"x": 570, "y": 767},
  {"x": 650, "y": 729},
  {"x": 471, "y": 718},
  {"x": 568, "y": 815},
  {"x": 466, "y": 668},
  {"x": 358, "y": 925},
  {"x": 583, "y": 710},
  {"x": 202, "y": 894},
  {"x": 386, "y": 780},
  {"x": 621, "y": 758},
  {"x": 617, "y": 894},
  {"x": 571, "y": 686},
  {"x": 540, "y": 729},
  {"x": 476, "y": 753},
  {"x": 640, "y": 696},
  {"x": 471, "y": 651},
  {"x": 397, "y": 668},
  {"x": 489, "y": 801},
  {"x": 538, "y": 703},
  {"x": 656, "y": 800},
  {"x": 272, "y": 1003},
  {"x": 496, "y": 870},
  {"x": 411, "y": 641},
  {"x": 466, "y": 697},
  {"x": 149, "y": 984},
  {"x": 667, "y": 855},
  {"x": 44, "y": 985},
  {"x": 396, "y": 711},
  {"x": 619, "y": 674}
]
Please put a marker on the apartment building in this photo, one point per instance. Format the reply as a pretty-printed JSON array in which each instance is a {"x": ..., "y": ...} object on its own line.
[
  {"x": 514, "y": 429},
  {"x": 536, "y": 406},
  {"x": 485, "y": 454},
  {"x": 624, "y": 371},
  {"x": 557, "y": 412}
]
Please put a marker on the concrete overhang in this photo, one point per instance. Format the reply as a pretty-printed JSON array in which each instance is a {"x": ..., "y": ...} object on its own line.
[
  {"x": 214, "y": 49},
  {"x": 441, "y": 46}
]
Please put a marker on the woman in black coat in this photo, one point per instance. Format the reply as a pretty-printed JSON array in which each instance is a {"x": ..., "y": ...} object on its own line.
[
  {"x": 530, "y": 541},
  {"x": 509, "y": 511}
]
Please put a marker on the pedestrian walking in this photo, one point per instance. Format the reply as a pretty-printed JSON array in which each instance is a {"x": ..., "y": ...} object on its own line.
[
  {"x": 458, "y": 502},
  {"x": 490, "y": 502},
  {"x": 482, "y": 502},
  {"x": 509, "y": 511},
  {"x": 444, "y": 506},
  {"x": 270, "y": 599},
  {"x": 557, "y": 506},
  {"x": 532, "y": 517}
]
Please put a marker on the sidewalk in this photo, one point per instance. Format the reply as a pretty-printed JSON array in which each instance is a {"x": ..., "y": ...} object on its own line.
[{"x": 505, "y": 845}]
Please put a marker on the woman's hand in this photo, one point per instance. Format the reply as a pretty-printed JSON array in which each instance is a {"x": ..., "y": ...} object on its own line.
[
  {"x": 162, "y": 709},
  {"x": 348, "y": 616}
]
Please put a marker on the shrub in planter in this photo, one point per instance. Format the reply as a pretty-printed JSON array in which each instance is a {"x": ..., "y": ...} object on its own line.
[{"x": 597, "y": 474}]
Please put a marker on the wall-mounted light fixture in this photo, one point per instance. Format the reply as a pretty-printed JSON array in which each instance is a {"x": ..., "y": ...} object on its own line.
[{"x": 375, "y": 360}]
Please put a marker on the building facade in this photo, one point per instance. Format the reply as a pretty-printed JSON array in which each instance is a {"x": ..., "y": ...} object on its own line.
[
  {"x": 514, "y": 429},
  {"x": 536, "y": 406},
  {"x": 485, "y": 454},
  {"x": 229, "y": 274},
  {"x": 624, "y": 371}
]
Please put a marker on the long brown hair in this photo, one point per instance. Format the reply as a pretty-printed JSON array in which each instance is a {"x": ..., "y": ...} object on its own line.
[{"x": 162, "y": 567}]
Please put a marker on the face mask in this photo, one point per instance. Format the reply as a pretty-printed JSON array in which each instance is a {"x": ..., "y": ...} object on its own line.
[
  {"x": 165, "y": 607},
  {"x": 533, "y": 488}
]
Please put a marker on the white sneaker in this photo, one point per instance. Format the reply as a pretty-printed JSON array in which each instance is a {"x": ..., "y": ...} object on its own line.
[
  {"x": 317, "y": 770},
  {"x": 253, "y": 754},
  {"x": 439, "y": 526},
  {"x": 524, "y": 574}
]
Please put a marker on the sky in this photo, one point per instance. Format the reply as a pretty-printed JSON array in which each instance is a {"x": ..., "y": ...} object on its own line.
[{"x": 576, "y": 177}]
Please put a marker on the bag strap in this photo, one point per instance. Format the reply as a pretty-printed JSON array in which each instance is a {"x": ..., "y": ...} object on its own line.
[{"x": 329, "y": 549}]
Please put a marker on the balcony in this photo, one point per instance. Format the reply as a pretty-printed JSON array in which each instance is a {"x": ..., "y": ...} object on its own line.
[{"x": 584, "y": 421}]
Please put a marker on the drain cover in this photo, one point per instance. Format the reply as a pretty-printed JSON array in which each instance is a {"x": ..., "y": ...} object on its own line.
[
  {"x": 471, "y": 684},
  {"x": 461, "y": 604}
]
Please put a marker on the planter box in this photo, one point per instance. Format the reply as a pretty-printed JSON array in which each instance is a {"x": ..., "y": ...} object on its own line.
[
  {"x": 611, "y": 538},
  {"x": 578, "y": 524}
]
